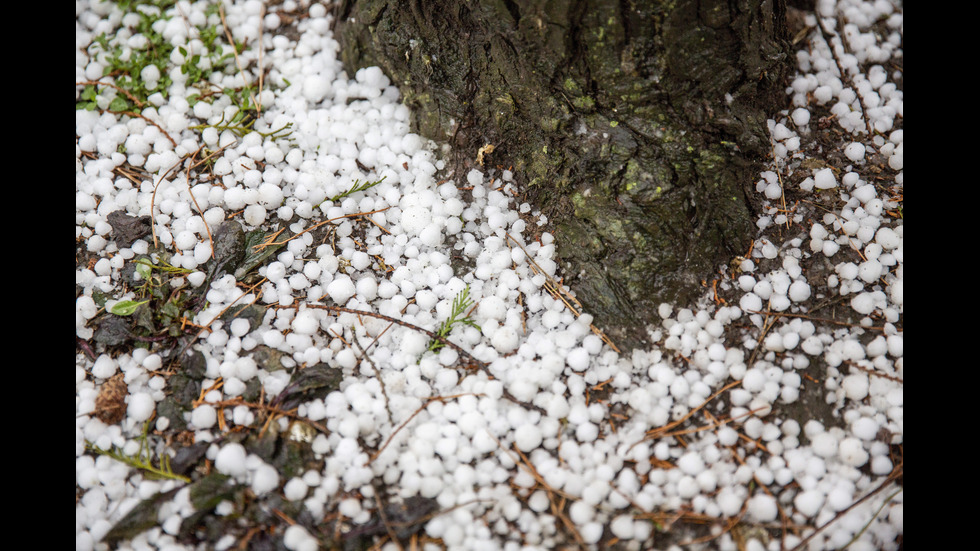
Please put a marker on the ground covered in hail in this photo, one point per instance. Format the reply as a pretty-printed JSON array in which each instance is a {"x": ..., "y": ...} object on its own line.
[{"x": 295, "y": 330}]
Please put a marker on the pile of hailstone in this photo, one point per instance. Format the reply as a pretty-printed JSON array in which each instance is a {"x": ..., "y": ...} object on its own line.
[{"x": 497, "y": 449}]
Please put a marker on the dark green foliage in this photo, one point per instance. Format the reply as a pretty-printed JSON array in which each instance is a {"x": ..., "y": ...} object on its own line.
[{"x": 140, "y": 519}]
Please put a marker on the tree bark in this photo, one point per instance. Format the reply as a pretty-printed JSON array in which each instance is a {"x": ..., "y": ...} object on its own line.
[{"x": 637, "y": 126}]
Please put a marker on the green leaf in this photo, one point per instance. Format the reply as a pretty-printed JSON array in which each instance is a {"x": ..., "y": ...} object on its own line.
[
  {"x": 139, "y": 519},
  {"x": 209, "y": 491},
  {"x": 126, "y": 307}
]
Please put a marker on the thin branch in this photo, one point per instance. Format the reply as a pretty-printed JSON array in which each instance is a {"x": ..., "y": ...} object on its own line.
[
  {"x": 319, "y": 224},
  {"x": 558, "y": 292},
  {"x": 472, "y": 360},
  {"x": 128, "y": 94},
  {"x": 811, "y": 318},
  {"x": 187, "y": 177},
  {"x": 239, "y": 401},
  {"x": 827, "y": 35},
  {"x": 153, "y": 197},
  {"x": 660, "y": 432},
  {"x": 556, "y": 508},
  {"x": 238, "y": 62},
  {"x": 377, "y": 372},
  {"x": 895, "y": 474},
  {"x": 412, "y": 416},
  {"x": 384, "y": 520},
  {"x": 153, "y": 200},
  {"x": 205, "y": 326}
]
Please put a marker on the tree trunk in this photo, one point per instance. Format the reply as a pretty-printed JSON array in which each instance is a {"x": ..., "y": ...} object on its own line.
[{"x": 637, "y": 126}]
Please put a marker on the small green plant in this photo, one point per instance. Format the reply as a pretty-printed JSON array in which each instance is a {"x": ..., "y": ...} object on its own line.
[
  {"x": 146, "y": 270},
  {"x": 143, "y": 459},
  {"x": 161, "y": 303},
  {"x": 358, "y": 186},
  {"x": 460, "y": 315},
  {"x": 210, "y": 37},
  {"x": 126, "y": 64},
  {"x": 243, "y": 120}
]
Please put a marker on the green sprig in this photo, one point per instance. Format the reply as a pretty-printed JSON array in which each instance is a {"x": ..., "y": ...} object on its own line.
[
  {"x": 358, "y": 186},
  {"x": 143, "y": 460},
  {"x": 460, "y": 315},
  {"x": 145, "y": 266}
]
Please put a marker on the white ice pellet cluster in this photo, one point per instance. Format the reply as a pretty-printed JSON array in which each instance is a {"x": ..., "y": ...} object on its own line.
[{"x": 493, "y": 446}]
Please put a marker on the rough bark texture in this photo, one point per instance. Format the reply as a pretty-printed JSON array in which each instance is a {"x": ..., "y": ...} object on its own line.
[{"x": 637, "y": 126}]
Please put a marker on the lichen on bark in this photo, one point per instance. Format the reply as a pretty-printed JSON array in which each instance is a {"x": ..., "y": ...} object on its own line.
[{"x": 636, "y": 126}]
